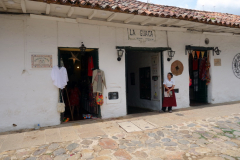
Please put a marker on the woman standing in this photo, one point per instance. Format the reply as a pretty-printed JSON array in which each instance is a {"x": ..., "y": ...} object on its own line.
[{"x": 169, "y": 94}]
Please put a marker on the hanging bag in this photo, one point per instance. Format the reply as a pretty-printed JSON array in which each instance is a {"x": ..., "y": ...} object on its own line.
[
  {"x": 61, "y": 105},
  {"x": 99, "y": 99}
]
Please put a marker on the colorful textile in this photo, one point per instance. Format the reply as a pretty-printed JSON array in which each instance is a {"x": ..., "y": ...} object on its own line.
[
  {"x": 99, "y": 100},
  {"x": 208, "y": 77},
  {"x": 169, "y": 101},
  {"x": 90, "y": 66}
]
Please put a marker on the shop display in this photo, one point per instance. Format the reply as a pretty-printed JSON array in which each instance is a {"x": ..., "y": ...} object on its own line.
[{"x": 78, "y": 95}]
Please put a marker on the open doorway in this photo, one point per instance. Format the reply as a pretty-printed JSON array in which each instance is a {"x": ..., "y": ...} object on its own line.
[
  {"x": 78, "y": 95},
  {"x": 198, "y": 89},
  {"x": 143, "y": 80}
]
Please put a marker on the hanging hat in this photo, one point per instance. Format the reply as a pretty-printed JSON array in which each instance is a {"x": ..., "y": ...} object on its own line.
[
  {"x": 198, "y": 54},
  {"x": 177, "y": 68},
  {"x": 193, "y": 54},
  {"x": 202, "y": 53}
]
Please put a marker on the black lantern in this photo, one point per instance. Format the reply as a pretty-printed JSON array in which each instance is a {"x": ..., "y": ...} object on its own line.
[
  {"x": 170, "y": 55},
  {"x": 82, "y": 48},
  {"x": 120, "y": 54},
  {"x": 216, "y": 50}
]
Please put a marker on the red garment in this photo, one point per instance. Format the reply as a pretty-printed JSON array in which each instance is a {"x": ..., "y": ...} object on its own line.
[
  {"x": 90, "y": 66},
  {"x": 74, "y": 96},
  {"x": 170, "y": 101},
  {"x": 195, "y": 64}
]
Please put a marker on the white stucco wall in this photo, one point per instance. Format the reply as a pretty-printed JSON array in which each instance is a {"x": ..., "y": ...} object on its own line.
[
  {"x": 136, "y": 61},
  {"x": 29, "y": 97}
]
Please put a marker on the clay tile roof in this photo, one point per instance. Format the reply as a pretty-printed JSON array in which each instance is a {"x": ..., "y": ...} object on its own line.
[{"x": 148, "y": 9}]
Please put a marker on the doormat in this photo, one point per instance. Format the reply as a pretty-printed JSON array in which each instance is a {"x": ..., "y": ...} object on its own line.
[{"x": 136, "y": 126}]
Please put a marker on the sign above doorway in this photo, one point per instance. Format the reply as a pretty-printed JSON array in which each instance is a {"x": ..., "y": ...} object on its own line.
[{"x": 141, "y": 35}]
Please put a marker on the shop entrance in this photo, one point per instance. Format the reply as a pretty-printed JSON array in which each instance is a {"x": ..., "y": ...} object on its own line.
[
  {"x": 78, "y": 95},
  {"x": 198, "y": 87},
  {"x": 143, "y": 79}
]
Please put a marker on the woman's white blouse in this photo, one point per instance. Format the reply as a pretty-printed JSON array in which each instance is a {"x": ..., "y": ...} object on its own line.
[{"x": 169, "y": 83}]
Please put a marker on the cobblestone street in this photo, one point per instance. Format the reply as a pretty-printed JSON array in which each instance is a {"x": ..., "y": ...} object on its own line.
[{"x": 205, "y": 137}]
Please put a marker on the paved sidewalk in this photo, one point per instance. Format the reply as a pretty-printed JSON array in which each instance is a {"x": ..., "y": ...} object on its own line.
[{"x": 207, "y": 132}]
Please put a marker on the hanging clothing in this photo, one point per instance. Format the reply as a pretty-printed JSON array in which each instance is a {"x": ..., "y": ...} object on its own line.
[
  {"x": 59, "y": 76},
  {"x": 202, "y": 67},
  {"x": 74, "y": 94},
  {"x": 98, "y": 81},
  {"x": 90, "y": 66},
  {"x": 195, "y": 64},
  {"x": 208, "y": 65}
]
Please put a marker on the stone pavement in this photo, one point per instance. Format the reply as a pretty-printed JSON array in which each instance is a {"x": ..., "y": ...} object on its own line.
[{"x": 206, "y": 133}]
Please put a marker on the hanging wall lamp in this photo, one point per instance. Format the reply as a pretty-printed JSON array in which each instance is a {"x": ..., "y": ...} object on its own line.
[
  {"x": 170, "y": 55},
  {"x": 120, "y": 54},
  {"x": 82, "y": 48},
  {"x": 216, "y": 50}
]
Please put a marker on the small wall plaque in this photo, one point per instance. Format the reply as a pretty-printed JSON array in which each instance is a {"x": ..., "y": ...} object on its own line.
[
  {"x": 217, "y": 62},
  {"x": 41, "y": 61}
]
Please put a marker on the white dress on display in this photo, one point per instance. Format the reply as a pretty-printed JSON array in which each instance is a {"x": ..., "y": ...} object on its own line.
[{"x": 59, "y": 76}]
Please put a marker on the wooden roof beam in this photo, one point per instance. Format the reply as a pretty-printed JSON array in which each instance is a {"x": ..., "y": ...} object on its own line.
[
  {"x": 23, "y": 5},
  {"x": 92, "y": 14},
  {"x": 162, "y": 22},
  {"x": 3, "y": 5},
  {"x": 48, "y": 8},
  {"x": 146, "y": 21},
  {"x": 191, "y": 25},
  {"x": 129, "y": 19},
  {"x": 173, "y": 22},
  {"x": 70, "y": 12},
  {"x": 111, "y": 17}
]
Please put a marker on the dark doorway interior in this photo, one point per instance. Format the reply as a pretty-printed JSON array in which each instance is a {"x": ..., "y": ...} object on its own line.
[
  {"x": 198, "y": 91},
  {"x": 78, "y": 97}
]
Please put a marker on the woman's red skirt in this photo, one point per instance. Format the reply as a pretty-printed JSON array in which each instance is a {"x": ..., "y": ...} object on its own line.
[{"x": 169, "y": 101}]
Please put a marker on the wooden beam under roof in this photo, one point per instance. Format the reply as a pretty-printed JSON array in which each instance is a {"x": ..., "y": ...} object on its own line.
[
  {"x": 92, "y": 14},
  {"x": 23, "y": 6},
  {"x": 48, "y": 8},
  {"x": 3, "y": 5},
  {"x": 173, "y": 22},
  {"x": 146, "y": 21},
  {"x": 70, "y": 12},
  {"x": 129, "y": 19},
  {"x": 111, "y": 17},
  {"x": 162, "y": 22}
]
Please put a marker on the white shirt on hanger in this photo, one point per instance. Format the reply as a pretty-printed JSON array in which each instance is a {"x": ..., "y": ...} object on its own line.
[
  {"x": 169, "y": 83},
  {"x": 59, "y": 76}
]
